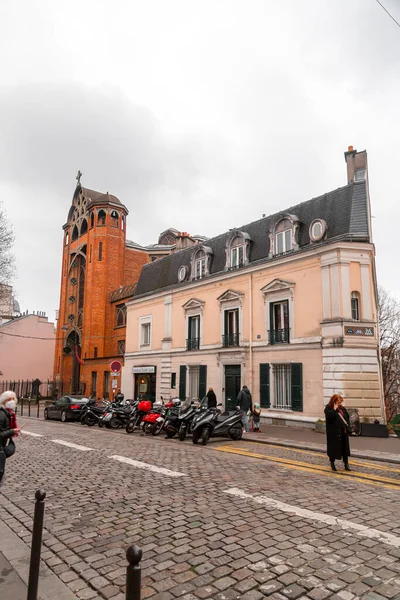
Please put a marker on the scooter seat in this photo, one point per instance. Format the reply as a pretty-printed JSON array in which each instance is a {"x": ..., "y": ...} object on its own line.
[{"x": 222, "y": 418}]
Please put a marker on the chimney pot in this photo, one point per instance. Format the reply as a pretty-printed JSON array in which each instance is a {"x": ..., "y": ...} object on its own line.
[{"x": 350, "y": 149}]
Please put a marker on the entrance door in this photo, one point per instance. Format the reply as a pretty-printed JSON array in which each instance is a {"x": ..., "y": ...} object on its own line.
[{"x": 232, "y": 385}]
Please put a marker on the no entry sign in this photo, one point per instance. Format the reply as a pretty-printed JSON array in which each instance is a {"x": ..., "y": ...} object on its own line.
[{"x": 115, "y": 366}]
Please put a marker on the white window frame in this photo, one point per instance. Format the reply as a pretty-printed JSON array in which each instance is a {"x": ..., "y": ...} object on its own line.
[
  {"x": 279, "y": 290},
  {"x": 236, "y": 263},
  {"x": 194, "y": 308},
  {"x": 231, "y": 300},
  {"x": 200, "y": 265},
  {"x": 144, "y": 323},
  {"x": 286, "y": 384},
  {"x": 282, "y": 234}
]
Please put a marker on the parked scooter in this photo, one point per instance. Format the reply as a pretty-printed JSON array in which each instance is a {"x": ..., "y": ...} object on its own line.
[
  {"x": 188, "y": 417},
  {"x": 92, "y": 412},
  {"x": 143, "y": 407},
  {"x": 120, "y": 415},
  {"x": 153, "y": 421},
  {"x": 212, "y": 423}
]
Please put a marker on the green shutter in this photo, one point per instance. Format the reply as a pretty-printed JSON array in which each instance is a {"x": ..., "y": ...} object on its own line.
[
  {"x": 182, "y": 382},
  {"x": 297, "y": 387},
  {"x": 264, "y": 386},
  {"x": 203, "y": 381}
]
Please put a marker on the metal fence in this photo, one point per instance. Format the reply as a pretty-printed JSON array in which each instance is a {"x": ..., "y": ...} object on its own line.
[{"x": 34, "y": 388}]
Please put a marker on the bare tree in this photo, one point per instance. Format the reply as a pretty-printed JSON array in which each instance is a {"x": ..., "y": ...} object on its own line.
[
  {"x": 389, "y": 324},
  {"x": 7, "y": 260}
]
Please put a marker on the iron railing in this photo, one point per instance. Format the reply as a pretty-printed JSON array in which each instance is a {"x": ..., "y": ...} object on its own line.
[
  {"x": 278, "y": 336},
  {"x": 230, "y": 339},
  {"x": 193, "y": 344}
]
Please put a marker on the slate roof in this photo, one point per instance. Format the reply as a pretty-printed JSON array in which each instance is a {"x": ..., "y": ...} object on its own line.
[{"x": 345, "y": 211}]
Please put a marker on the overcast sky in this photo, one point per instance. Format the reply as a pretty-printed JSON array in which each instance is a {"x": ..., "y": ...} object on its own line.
[{"x": 198, "y": 115}]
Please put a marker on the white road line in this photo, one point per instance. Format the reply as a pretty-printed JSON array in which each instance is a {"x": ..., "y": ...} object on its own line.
[
  {"x": 361, "y": 530},
  {"x": 71, "y": 445},
  {"x": 31, "y": 433},
  {"x": 147, "y": 466}
]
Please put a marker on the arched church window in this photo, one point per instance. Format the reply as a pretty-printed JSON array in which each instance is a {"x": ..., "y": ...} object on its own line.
[
  {"x": 75, "y": 233},
  {"x": 84, "y": 227},
  {"x": 101, "y": 218}
]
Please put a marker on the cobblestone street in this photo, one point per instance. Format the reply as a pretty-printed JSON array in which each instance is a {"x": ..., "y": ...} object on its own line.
[{"x": 227, "y": 521}]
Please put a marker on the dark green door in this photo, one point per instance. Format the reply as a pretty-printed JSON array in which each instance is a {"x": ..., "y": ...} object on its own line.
[{"x": 232, "y": 385}]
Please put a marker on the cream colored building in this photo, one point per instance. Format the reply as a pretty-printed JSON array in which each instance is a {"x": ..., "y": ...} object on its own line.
[{"x": 286, "y": 305}]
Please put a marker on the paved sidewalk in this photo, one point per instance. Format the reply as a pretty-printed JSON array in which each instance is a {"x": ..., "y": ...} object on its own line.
[
  {"x": 14, "y": 571},
  {"x": 380, "y": 449}
]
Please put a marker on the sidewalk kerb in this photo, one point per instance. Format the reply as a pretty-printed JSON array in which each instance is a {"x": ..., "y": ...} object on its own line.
[{"x": 18, "y": 555}]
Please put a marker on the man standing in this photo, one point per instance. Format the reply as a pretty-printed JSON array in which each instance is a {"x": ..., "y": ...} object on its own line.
[{"x": 245, "y": 404}]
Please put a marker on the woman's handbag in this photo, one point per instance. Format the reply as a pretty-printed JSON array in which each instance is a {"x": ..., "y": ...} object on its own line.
[
  {"x": 9, "y": 450},
  {"x": 348, "y": 427}
]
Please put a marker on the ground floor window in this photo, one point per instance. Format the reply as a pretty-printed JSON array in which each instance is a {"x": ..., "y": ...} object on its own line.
[
  {"x": 145, "y": 386},
  {"x": 194, "y": 381},
  {"x": 106, "y": 384},
  {"x": 282, "y": 386}
]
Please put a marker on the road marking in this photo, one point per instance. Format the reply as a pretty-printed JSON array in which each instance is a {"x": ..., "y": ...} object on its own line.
[
  {"x": 361, "y": 530},
  {"x": 375, "y": 480},
  {"x": 31, "y": 433},
  {"x": 71, "y": 445},
  {"x": 147, "y": 466},
  {"x": 356, "y": 462}
]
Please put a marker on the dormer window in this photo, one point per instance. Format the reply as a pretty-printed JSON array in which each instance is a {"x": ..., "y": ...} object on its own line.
[
  {"x": 200, "y": 264},
  {"x": 283, "y": 235},
  {"x": 237, "y": 250},
  {"x": 360, "y": 175},
  {"x": 317, "y": 230}
]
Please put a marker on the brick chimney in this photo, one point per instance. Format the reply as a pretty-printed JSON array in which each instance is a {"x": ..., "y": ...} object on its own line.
[
  {"x": 357, "y": 165},
  {"x": 183, "y": 240}
]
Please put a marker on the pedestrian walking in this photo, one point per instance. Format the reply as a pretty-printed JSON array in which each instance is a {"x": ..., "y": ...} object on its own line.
[
  {"x": 8, "y": 428},
  {"x": 212, "y": 398},
  {"x": 245, "y": 405},
  {"x": 256, "y": 417},
  {"x": 338, "y": 430}
]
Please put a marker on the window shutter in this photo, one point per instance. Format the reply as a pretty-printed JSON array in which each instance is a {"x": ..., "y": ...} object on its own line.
[
  {"x": 182, "y": 382},
  {"x": 297, "y": 387},
  {"x": 203, "y": 381},
  {"x": 226, "y": 322},
  {"x": 264, "y": 386}
]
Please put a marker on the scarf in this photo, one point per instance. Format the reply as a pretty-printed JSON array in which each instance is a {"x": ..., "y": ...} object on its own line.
[{"x": 13, "y": 419}]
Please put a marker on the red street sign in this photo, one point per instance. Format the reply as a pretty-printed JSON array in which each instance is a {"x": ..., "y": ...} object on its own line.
[{"x": 115, "y": 366}]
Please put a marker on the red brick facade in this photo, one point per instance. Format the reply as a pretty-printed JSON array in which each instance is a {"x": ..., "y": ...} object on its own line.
[{"x": 97, "y": 267}]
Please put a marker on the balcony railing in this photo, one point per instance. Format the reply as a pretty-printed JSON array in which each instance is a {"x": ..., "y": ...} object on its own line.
[
  {"x": 278, "y": 336},
  {"x": 230, "y": 339},
  {"x": 193, "y": 344}
]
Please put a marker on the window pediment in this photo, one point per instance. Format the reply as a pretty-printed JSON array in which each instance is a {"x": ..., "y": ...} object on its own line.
[
  {"x": 231, "y": 296},
  {"x": 277, "y": 286},
  {"x": 194, "y": 304}
]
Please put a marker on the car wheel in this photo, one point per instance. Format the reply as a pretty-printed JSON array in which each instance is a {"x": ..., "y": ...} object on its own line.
[
  {"x": 205, "y": 436},
  {"x": 63, "y": 416},
  {"x": 46, "y": 414}
]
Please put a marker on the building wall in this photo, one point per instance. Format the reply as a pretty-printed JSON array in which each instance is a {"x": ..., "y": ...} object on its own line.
[
  {"x": 27, "y": 357},
  {"x": 317, "y": 285}
]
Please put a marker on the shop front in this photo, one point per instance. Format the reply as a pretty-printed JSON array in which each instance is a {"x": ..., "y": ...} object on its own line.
[{"x": 145, "y": 382}]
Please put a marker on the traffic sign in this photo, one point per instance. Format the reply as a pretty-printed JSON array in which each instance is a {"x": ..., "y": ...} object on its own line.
[
  {"x": 114, "y": 384},
  {"x": 115, "y": 366}
]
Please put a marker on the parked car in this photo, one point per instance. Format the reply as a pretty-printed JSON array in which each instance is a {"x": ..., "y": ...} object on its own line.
[{"x": 65, "y": 408}]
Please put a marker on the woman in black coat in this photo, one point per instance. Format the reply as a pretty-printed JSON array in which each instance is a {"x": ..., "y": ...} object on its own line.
[
  {"x": 212, "y": 398},
  {"x": 5, "y": 432},
  {"x": 337, "y": 431}
]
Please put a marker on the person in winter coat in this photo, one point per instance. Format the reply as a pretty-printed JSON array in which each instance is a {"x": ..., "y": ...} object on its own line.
[
  {"x": 212, "y": 398},
  {"x": 337, "y": 431},
  {"x": 119, "y": 397},
  {"x": 246, "y": 405},
  {"x": 256, "y": 417},
  {"x": 7, "y": 406}
]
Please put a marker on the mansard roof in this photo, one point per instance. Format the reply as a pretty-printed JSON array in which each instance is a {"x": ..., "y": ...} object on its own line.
[{"x": 344, "y": 210}]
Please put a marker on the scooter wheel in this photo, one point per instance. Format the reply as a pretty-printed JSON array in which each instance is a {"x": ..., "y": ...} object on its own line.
[
  {"x": 196, "y": 437},
  {"x": 236, "y": 433},
  {"x": 157, "y": 429},
  {"x": 90, "y": 421},
  {"x": 170, "y": 434},
  {"x": 205, "y": 436},
  {"x": 148, "y": 428},
  {"x": 115, "y": 423},
  {"x": 100, "y": 424},
  {"x": 130, "y": 428},
  {"x": 182, "y": 433}
]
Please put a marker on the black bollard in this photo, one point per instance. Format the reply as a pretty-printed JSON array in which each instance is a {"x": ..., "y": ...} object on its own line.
[
  {"x": 36, "y": 546},
  {"x": 133, "y": 573}
]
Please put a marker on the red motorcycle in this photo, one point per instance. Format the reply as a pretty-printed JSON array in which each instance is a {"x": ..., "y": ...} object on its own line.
[
  {"x": 142, "y": 409},
  {"x": 153, "y": 422}
]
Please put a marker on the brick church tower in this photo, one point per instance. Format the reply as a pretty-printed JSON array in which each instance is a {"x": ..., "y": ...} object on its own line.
[{"x": 99, "y": 270}]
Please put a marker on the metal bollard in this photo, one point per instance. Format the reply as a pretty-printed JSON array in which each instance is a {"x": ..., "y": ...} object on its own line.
[
  {"x": 36, "y": 546},
  {"x": 38, "y": 409},
  {"x": 29, "y": 407},
  {"x": 133, "y": 573},
  {"x": 22, "y": 407}
]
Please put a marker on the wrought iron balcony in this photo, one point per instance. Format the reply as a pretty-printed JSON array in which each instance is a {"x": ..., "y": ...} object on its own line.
[
  {"x": 193, "y": 344},
  {"x": 278, "y": 336},
  {"x": 230, "y": 339}
]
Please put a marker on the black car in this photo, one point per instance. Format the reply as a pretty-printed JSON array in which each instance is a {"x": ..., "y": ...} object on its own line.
[{"x": 66, "y": 407}]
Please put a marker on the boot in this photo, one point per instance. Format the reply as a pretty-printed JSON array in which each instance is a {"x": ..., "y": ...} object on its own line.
[
  {"x": 333, "y": 465},
  {"x": 346, "y": 466}
]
